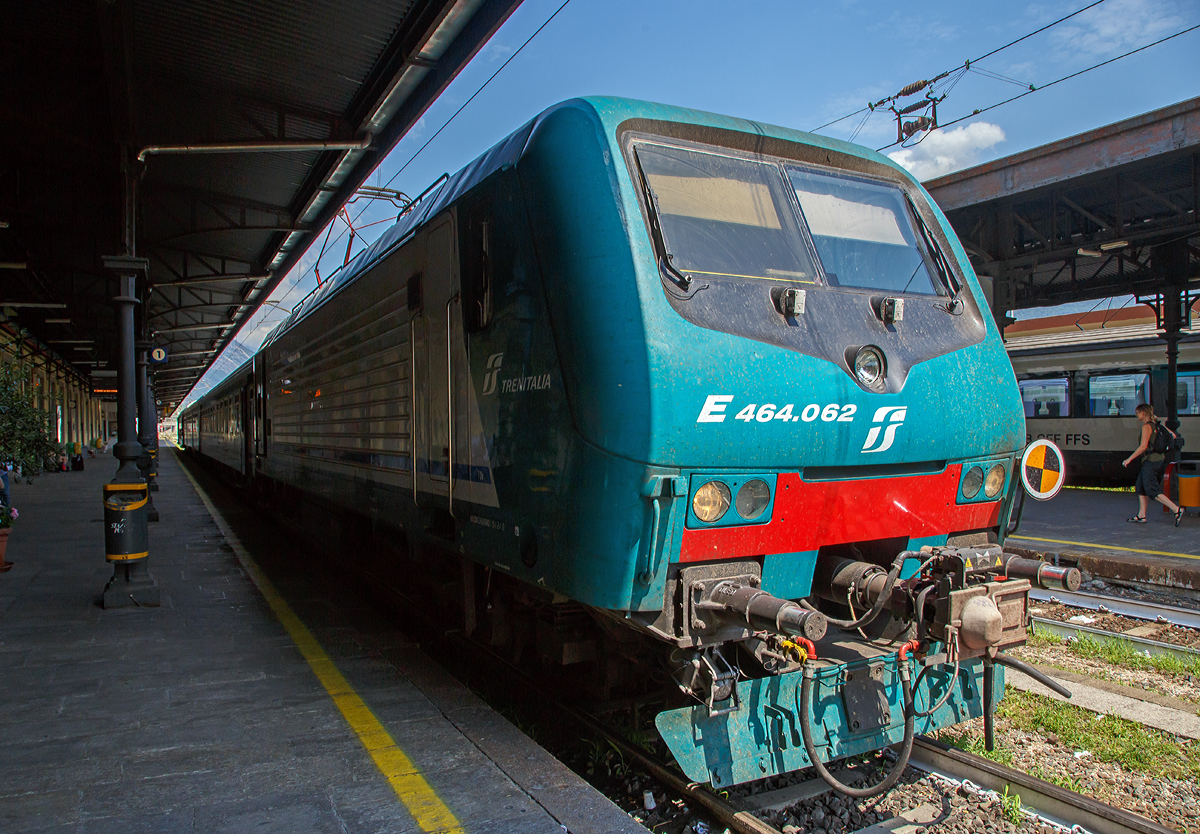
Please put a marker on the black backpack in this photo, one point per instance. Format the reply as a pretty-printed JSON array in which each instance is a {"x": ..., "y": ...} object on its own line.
[{"x": 1164, "y": 439}]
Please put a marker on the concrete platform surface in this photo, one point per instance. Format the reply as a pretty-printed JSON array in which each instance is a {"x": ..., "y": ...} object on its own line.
[
  {"x": 1089, "y": 527},
  {"x": 206, "y": 714}
]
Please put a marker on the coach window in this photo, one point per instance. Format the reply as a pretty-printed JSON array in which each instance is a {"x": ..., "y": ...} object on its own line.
[
  {"x": 1045, "y": 397},
  {"x": 475, "y": 265},
  {"x": 1117, "y": 395},
  {"x": 1185, "y": 393}
]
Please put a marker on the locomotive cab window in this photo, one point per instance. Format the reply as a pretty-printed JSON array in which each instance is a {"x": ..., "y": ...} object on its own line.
[
  {"x": 1117, "y": 395},
  {"x": 864, "y": 234},
  {"x": 1046, "y": 397},
  {"x": 723, "y": 217}
]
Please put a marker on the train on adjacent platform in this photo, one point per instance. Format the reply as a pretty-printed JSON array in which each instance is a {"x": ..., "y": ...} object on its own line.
[
  {"x": 1080, "y": 389},
  {"x": 671, "y": 394}
]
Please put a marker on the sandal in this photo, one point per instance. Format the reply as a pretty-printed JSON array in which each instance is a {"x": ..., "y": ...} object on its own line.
[
  {"x": 1137, "y": 519},
  {"x": 1178, "y": 516}
]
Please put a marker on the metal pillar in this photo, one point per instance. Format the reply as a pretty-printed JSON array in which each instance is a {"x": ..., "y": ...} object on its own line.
[
  {"x": 125, "y": 519},
  {"x": 146, "y": 426},
  {"x": 1170, "y": 262}
]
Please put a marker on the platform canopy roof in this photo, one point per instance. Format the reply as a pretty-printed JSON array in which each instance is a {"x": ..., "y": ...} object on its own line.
[
  {"x": 101, "y": 95},
  {"x": 1114, "y": 211}
]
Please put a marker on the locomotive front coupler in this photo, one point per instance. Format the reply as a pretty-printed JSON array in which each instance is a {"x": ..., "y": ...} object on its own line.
[{"x": 974, "y": 598}]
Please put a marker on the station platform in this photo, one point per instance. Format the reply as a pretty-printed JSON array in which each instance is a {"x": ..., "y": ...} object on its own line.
[
  {"x": 1087, "y": 527},
  {"x": 255, "y": 698}
]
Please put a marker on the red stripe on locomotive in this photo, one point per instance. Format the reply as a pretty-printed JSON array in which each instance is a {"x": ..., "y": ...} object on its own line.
[{"x": 810, "y": 515}]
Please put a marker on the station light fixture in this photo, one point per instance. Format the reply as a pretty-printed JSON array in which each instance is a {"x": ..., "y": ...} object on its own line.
[{"x": 1116, "y": 244}]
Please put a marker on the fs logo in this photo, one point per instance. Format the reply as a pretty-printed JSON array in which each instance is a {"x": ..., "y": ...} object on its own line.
[
  {"x": 493, "y": 372},
  {"x": 893, "y": 416}
]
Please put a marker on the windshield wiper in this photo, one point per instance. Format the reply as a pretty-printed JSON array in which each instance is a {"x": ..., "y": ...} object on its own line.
[
  {"x": 954, "y": 305},
  {"x": 660, "y": 241}
]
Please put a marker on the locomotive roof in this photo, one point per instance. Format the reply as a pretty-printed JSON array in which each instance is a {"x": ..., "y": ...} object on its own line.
[
  {"x": 609, "y": 110},
  {"x": 503, "y": 155}
]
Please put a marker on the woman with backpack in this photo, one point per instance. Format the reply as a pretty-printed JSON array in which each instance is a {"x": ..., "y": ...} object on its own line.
[{"x": 1153, "y": 446}]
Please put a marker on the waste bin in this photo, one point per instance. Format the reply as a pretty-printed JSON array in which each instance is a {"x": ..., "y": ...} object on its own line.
[
  {"x": 125, "y": 522},
  {"x": 1188, "y": 472}
]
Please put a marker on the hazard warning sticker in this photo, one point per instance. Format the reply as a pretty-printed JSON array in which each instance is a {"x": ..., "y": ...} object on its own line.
[{"x": 1042, "y": 469}]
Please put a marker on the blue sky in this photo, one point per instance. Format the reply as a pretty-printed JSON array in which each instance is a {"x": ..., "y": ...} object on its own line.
[{"x": 798, "y": 64}]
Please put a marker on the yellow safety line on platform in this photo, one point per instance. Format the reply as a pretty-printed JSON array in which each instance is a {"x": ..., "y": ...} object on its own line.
[
  {"x": 1108, "y": 547},
  {"x": 430, "y": 813}
]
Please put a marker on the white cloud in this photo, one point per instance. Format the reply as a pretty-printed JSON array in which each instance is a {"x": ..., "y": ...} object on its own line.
[
  {"x": 496, "y": 52},
  {"x": 1117, "y": 26},
  {"x": 943, "y": 151}
]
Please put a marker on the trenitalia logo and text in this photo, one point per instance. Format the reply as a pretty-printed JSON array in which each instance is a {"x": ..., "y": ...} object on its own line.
[
  {"x": 513, "y": 385},
  {"x": 882, "y": 435}
]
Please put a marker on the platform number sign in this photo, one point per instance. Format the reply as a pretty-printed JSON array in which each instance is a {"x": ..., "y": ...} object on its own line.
[
  {"x": 1042, "y": 469},
  {"x": 158, "y": 355}
]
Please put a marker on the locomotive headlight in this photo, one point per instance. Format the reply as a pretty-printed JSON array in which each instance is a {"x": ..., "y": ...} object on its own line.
[
  {"x": 973, "y": 481},
  {"x": 869, "y": 366},
  {"x": 995, "y": 481},
  {"x": 711, "y": 501},
  {"x": 752, "y": 499}
]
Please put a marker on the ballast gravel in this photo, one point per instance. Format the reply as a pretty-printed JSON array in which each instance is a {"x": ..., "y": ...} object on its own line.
[{"x": 1170, "y": 802}]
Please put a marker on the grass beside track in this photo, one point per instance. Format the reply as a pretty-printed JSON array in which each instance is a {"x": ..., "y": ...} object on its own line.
[
  {"x": 1133, "y": 746},
  {"x": 1121, "y": 653}
]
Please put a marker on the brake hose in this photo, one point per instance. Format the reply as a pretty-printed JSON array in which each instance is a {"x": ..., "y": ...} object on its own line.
[
  {"x": 906, "y": 747},
  {"x": 945, "y": 695}
]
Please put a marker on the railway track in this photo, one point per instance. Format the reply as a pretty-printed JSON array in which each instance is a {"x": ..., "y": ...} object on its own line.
[
  {"x": 1042, "y": 802},
  {"x": 1134, "y": 609},
  {"x": 1058, "y": 628},
  {"x": 1111, "y": 605}
]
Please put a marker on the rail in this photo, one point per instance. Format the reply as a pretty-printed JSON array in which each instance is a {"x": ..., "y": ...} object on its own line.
[
  {"x": 1133, "y": 608},
  {"x": 1059, "y": 805},
  {"x": 1078, "y": 630}
]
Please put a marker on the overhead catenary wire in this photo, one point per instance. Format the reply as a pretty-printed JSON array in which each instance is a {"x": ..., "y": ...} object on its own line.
[
  {"x": 315, "y": 268},
  {"x": 1036, "y": 89},
  {"x": 907, "y": 91},
  {"x": 446, "y": 124}
]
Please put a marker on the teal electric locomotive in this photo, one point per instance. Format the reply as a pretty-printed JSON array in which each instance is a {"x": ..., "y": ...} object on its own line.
[{"x": 655, "y": 377}]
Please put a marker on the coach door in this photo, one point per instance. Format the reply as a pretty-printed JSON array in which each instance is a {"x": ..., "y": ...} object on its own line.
[
  {"x": 442, "y": 368},
  {"x": 260, "y": 411},
  {"x": 246, "y": 403}
]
